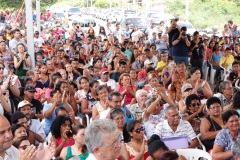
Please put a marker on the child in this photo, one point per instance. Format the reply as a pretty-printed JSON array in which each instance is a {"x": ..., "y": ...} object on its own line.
[
  {"x": 163, "y": 63},
  {"x": 35, "y": 82}
]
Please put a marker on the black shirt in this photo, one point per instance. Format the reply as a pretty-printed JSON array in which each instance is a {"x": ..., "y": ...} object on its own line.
[
  {"x": 170, "y": 35},
  {"x": 37, "y": 106},
  {"x": 197, "y": 52},
  {"x": 233, "y": 76}
]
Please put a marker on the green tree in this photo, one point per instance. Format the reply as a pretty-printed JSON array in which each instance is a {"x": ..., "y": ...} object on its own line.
[{"x": 104, "y": 3}]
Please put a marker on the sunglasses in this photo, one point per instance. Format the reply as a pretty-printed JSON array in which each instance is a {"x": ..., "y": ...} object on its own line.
[
  {"x": 1, "y": 68},
  {"x": 195, "y": 104},
  {"x": 139, "y": 130},
  {"x": 23, "y": 147},
  {"x": 188, "y": 89}
]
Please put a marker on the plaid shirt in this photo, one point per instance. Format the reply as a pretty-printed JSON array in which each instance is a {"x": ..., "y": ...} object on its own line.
[{"x": 163, "y": 130}]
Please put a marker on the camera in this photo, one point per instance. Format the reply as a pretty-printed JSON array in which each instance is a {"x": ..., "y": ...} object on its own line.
[
  {"x": 184, "y": 34},
  {"x": 176, "y": 19}
]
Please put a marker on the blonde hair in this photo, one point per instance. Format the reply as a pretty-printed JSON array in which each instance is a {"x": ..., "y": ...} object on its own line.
[
  {"x": 121, "y": 78},
  {"x": 29, "y": 73},
  {"x": 150, "y": 76},
  {"x": 62, "y": 70}
]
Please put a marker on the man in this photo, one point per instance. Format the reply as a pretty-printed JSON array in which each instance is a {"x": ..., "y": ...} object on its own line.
[
  {"x": 236, "y": 150},
  {"x": 51, "y": 66},
  {"x": 38, "y": 40},
  {"x": 128, "y": 31},
  {"x": 35, "y": 126},
  {"x": 37, "y": 106},
  {"x": 150, "y": 31},
  {"x": 15, "y": 41},
  {"x": 57, "y": 100},
  {"x": 104, "y": 75},
  {"x": 230, "y": 25},
  {"x": 108, "y": 29},
  {"x": 172, "y": 30},
  {"x": 235, "y": 31},
  {"x": 151, "y": 57},
  {"x": 234, "y": 76},
  {"x": 118, "y": 33},
  {"x": 154, "y": 38},
  {"x": 78, "y": 34},
  {"x": 181, "y": 44},
  {"x": 143, "y": 74},
  {"x": 106, "y": 142},
  {"x": 75, "y": 66},
  {"x": 139, "y": 63},
  {"x": 173, "y": 126},
  {"x": 162, "y": 44},
  {"x": 226, "y": 95},
  {"x": 118, "y": 71}
]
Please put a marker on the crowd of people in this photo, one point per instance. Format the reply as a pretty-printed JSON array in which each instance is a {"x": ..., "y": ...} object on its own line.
[{"x": 117, "y": 94}]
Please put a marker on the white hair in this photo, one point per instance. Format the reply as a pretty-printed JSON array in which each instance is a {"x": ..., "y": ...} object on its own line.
[{"x": 139, "y": 92}]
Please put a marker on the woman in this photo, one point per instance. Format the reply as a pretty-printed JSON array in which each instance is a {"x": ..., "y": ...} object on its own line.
[
  {"x": 18, "y": 130},
  {"x": 136, "y": 34},
  {"x": 61, "y": 130},
  {"x": 125, "y": 88},
  {"x": 117, "y": 115},
  {"x": 181, "y": 72},
  {"x": 156, "y": 147},
  {"x": 153, "y": 115},
  {"x": 21, "y": 59},
  {"x": 226, "y": 32},
  {"x": 102, "y": 33},
  {"x": 44, "y": 76},
  {"x": 195, "y": 112},
  {"x": 79, "y": 149},
  {"x": 227, "y": 59},
  {"x": 201, "y": 87},
  {"x": 215, "y": 59},
  {"x": 21, "y": 143},
  {"x": 90, "y": 33},
  {"x": 175, "y": 93},
  {"x": 84, "y": 85},
  {"x": 7, "y": 55},
  {"x": 133, "y": 133},
  {"x": 138, "y": 108},
  {"x": 90, "y": 99},
  {"x": 227, "y": 136},
  {"x": 236, "y": 102},
  {"x": 55, "y": 78},
  {"x": 171, "y": 155},
  {"x": 167, "y": 74},
  {"x": 114, "y": 64},
  {"x": 133, "y": 78},
  {"x": 63, "y": 74},
  {"x": 71, "y": 76},
  {"x": 212, "y": 124},
  {"x": 63, "y": 87},
  {"x": 102, "y": 105}
]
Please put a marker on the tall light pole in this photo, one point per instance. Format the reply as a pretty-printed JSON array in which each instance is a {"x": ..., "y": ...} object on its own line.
[
  {"x": 29, "y": 24},
  {"x": 38, "y": 15},
  {"x": 110, "y": 4},
  {"x": 91, "y": 3},
  {"x": 187, "y": 10}
]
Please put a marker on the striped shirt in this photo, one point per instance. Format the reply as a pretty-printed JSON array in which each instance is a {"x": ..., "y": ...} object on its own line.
[
  {"x": 163, "y": 130},
  {"x": 225, "y": 140}
]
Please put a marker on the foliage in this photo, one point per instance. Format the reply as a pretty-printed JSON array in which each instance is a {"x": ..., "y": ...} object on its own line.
[
  {"x": 205, "y": 13},
  {"x": 104, "y": 3}
]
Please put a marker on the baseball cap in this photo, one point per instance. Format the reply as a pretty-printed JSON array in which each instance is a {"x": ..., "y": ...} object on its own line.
[
  {"x": 40, "y": 45},
  {"x": 104, "y": 70},
  {"x": 186, "y": 87},
  {"x": 147, "y": 62},
  {"x": 36, "y": 32},
  {"x": 30, "y": 88},
  {"x": 8, "y": 27},
  {"x": 24, "y": 103},
  {"x": 17, "y": 115}
]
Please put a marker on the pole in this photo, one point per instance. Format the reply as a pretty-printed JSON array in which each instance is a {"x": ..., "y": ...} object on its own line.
[
  {"x": 29, "y": 24},
  {"x": 91, "y": 3},
  {"x": 186, "y": 10},
  {"x": 134, "y": 4},
  {"x": 110, "y": 4},
  {"x": 38, "y": 15}
]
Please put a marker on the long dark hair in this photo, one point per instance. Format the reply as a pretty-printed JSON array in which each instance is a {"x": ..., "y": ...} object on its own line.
[
  {"x": 75, "y": 130},
  {"x": 128, "y": 127}
]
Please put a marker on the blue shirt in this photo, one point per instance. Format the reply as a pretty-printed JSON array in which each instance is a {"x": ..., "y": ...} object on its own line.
[
  {"x": 48, "y": 121},
  {"x": 180, "y": 49},
  {"x": 128, "y": 54},
  {"x": 225, "y": 140},
  {"x": 127, "y": 33}
]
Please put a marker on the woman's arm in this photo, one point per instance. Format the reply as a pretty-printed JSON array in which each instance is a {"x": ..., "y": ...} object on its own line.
[
  {"x": 204, "y": 130},
  {"x": 28, "y": 61},
  {"x": 95, "y": 114},
  {"x": 5, "y": 105},
  {"x": 16, "y": 63},
  {"x": 59, "y": 147},
  {"x": 150, "y": 110},
  {"x": 84, "y": 107},
  {"x": 171, "y": 95},
  {"x": 73, "y": 104},
  {"x": 182, "y": 106},
  {"x": 218, "y": 153},
  {"x": 207, "y": 90},
  {"x": 63, "y": 153}
]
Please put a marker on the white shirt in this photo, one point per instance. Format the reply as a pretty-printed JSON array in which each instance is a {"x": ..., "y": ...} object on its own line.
[
  {"x": 154, "y": 59},
  {"x": 110, "y": 83},
  {"x": 11, "y": 154},
  {"x": 36, "y": 127},
  {"x": 150, "y": 30},
  {"x": 118, "y": 33},
  {"x": 163, "y": 130},
  {"x": 13, "y": 44}
]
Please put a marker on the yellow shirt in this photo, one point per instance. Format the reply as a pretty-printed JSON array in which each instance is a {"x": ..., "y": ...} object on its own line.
[
  {"x": 160, "y": 65},
  {"x": 8, "y": 36},
  {"x": 229, "y": 61}
]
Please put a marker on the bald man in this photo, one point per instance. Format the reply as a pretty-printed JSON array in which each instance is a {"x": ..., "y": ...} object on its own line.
[{"x": 7, "y": 151}]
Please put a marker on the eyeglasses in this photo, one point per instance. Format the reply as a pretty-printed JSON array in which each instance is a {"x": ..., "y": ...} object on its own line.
[
  {"x": 195, "y": 104},
  {"x": 188, "y": 90},
  {"x": 23, "y": 147},
  {"x": 230, "y": 88},
  {"x": 1, "y": 68},
  {"x": 139, "y": 130},
  {"x": 216, "y": 107},
  {"x": 116, "y": 142},
  {"x": 118, "y": 119}
]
